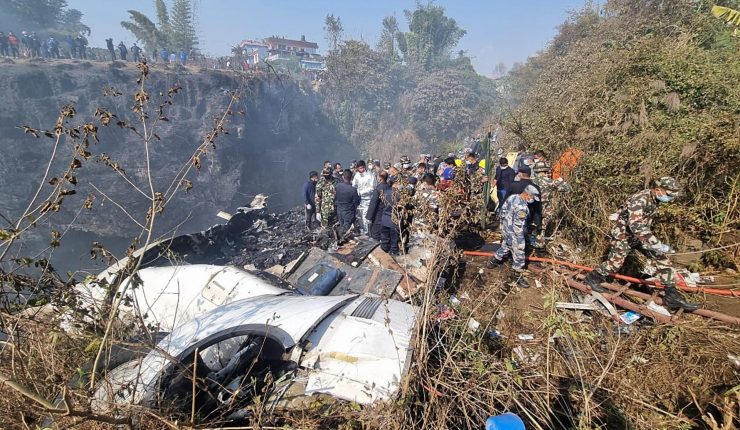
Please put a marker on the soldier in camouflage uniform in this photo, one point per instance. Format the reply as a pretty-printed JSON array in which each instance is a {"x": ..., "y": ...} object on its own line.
[
  {"x": 632, "y": 231},
  {"x": 326, "y": 192},
  {"x": 514, "y": 216},
  {"x": 543, "y": 179}
]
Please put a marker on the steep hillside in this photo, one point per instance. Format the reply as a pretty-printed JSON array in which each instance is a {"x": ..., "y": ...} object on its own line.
[{"x": 276, "y": 135}]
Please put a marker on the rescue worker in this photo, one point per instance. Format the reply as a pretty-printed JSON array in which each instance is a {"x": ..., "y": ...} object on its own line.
[
  {"x": 365, "y": 183},
  {"x": 502, "y": 180},
  {"x": 390, "y": 237},
  {"x": 374, "y": 214},
  {"x": 347, "y": 202},
  {"x": 326, "y": 198},
  {"x": 111, "y": 48},
  {"x": 406, "y": 166},
  {"x": 81, "y": 46},
  {"x": 338, "y": 171},
  {"x": 53, "y": 45},
  {"x": 309, "y": 199},
  {"x": 136, "y": 52},
  {"x": 13, "y": 42},
  {"x": 421, "y": 170},
  {"x": 4, "y": 45},
  {"x": 631, "y": 230},
  {"x": 123, "y": 51},
  {"x": 521, "y": 181},
  {"x": 514, "y": 218},
  {"x": 71, "y": 46},
  {"x": 543, "y": 179}
]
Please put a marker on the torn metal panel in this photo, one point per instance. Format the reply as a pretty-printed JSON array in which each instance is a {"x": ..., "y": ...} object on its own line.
[
  {"x": 361, "y": 353},
  {"x": 169, "y": 296},
  {"x": 363, "y": 279}
]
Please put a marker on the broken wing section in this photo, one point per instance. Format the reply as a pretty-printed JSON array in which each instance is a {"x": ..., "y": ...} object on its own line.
[
  {"x": 361, "y": 352},
  {"x": 170, "y": 296}
]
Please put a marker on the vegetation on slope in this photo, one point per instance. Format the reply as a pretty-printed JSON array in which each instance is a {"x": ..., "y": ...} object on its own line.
[{"x": 645, "y": 89}]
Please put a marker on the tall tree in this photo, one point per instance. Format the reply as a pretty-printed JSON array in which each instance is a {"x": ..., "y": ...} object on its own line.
[
  {"x": 145, "y": 31},
  {"x": 183, "y": 34},
  {"x": 49, "y": 15},
  {"x": 173, "y": 31},
  {"x": 163, "y": 18},
  {"x": 71, "y": 22},
  {"x": 387, "y": 42},
  {"x": 333, "y": 29},
  {"x": 431, "y": 37}
]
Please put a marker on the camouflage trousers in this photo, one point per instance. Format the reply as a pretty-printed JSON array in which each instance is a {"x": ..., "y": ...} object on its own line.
[
  {"x": 622, "y": 244},
  {"x": 328, "y": 216},
  {"x": 547, "y": 216},
  {"x": 514, "y": 243}
]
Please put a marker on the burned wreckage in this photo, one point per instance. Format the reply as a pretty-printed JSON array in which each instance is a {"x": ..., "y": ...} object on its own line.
[{"x": 330, "y": 323}]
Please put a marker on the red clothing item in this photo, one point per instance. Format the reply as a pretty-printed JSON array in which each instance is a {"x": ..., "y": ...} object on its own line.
[{"x": 13, "y": 40}]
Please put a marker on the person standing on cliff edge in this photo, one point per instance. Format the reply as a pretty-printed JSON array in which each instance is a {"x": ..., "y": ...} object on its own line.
[{"x": 111, "y": 48}]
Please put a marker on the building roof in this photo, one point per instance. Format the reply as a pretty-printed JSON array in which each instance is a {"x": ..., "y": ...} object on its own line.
[
  {"x": 251, "y": 43},
  {"x": 291, "y": 42}
]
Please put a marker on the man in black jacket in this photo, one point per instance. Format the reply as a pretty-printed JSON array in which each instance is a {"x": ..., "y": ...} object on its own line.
[
  {"x": 377, "y": 205},
  {"x": 390, "y": 236},
  {"x": 503, "y": 180},
  {"x": 309, "y": 199},
  {"x": 347, "y": 202}
]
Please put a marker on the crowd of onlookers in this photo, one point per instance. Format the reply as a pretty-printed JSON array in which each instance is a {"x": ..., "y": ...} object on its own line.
[{"x": 31, "y": 45}]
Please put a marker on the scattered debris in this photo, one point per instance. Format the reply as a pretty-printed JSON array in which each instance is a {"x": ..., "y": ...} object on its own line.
[
  {"x": 630, "y": 317},
  {"x": 473, "y": 325},
  {"x": 658, "y": 308}
]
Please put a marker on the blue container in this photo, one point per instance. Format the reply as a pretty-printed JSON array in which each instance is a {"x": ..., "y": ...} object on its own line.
[{"x": 507, "y": 421}]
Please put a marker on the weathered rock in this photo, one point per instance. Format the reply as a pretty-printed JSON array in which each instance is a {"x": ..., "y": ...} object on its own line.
[{"x": 284, "y": 135}]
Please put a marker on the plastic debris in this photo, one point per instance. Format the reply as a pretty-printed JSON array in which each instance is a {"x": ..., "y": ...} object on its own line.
[
  {"x": 658, "y": 309},
  {"x": 473, "y": 325},
  {"x": 454, "y": 300},
  {"x": 630, "y": 317},
  {"x": 444, "y": 313},
  {"x": 525, "y": 337},
  {"x": 507, "y": 421}
]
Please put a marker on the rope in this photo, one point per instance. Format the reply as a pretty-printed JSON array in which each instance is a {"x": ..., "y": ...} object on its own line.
[{"x": 682, "y": 286}]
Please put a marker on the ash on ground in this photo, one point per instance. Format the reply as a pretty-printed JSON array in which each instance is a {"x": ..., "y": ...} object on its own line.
[{"x": 252, "y": 237}]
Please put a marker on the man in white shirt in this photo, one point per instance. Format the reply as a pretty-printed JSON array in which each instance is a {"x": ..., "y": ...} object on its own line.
[{"x": 365, "y": 183}]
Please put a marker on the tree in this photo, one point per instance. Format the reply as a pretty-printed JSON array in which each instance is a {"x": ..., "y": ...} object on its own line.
[
  {"x": 731, "y": 16},
  {"x": 431, "y": 37},
  {"x": 163, "y": 17},
  {"x": 500, "y": 70},
  {"x": 387, "y": 42},
  {"x": 182, "y": 28},
  {"x": 72, "y": 22},
  {"x": 145, "y": 31},
  {"x": 443, "y": 104},
  {"x": 175, "y": 31},
  {"x": 333, "y": 29},
  {"x": 46, "y": 15},
  {"x": 357, "y": 91}
]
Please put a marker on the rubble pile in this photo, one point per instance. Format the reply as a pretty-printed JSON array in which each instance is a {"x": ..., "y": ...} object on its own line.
[
  {"x": 273, "y": 239},
  {"x": 252, "y": 237}
]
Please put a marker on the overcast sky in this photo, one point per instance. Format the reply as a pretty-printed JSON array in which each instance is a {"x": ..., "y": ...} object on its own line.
[{"x": 497, "y": 30}]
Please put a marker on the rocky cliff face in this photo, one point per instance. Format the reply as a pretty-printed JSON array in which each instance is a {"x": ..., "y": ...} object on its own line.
[{"x": 281, "y": 136}]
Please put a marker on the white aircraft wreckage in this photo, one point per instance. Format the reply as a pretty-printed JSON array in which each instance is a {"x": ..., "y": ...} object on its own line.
[{"x": 329, "y": 324}]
